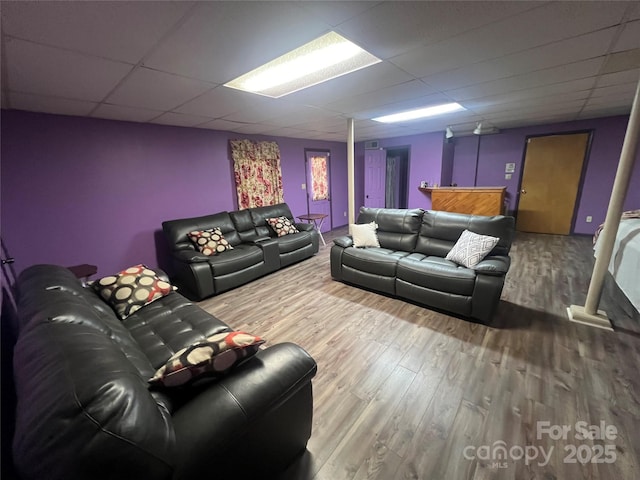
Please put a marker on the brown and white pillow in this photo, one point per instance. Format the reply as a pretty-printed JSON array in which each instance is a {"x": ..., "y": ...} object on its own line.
[
  {"x": 282, "y": 226},
  {"x": 471, "y": 248},
  {"x": 210, "y": 241},
  {"x": 131, "y": 289},
  {"x": 208, "y": 358}
]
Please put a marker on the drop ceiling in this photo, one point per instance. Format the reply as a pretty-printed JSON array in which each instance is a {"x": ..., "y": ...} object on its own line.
[{"x": 509, "y": 64}]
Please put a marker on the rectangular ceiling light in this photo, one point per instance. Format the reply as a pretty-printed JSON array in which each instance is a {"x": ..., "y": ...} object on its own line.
[
  {"x": 322, "y": 59},
  {"x": 420, "y": 113}
]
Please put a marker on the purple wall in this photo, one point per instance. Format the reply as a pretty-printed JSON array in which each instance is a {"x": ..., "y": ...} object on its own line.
[
  {"x": 79, "y": 190},
  {"x": 508, "y": 147},
  {"x": 448, "y": 152},
  {"x": 425, "y": 163}
]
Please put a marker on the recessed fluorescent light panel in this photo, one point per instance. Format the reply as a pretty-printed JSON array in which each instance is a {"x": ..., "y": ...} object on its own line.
[
  {"x": 420, "y": 113},
  {"x": 322, "y": 59}
]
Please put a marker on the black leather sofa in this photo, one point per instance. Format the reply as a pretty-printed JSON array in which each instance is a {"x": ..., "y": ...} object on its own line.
[
  {"x": 85, "y": 410},
  {"x": 257, "y": 250},
  {"x": 411, "y": 264}
]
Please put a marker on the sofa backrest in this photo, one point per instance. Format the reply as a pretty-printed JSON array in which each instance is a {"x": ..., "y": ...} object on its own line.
[
  {"x": 244, "y": 224},
  {"x": 83, "y": 403},
  {"x": 260, "y": 214},
  {"x": 176, "y": 231},
  {"x": 440, "y": 231},
  {"x": 397, "y": 228}
]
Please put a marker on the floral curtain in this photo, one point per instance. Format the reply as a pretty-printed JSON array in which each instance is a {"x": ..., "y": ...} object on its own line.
[
  {"x": 257, "y": 172},
  {"x": 319, "y": 178}
]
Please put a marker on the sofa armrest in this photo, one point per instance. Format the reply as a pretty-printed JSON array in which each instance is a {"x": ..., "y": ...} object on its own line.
[
  {"x": 496, "y": 265},
  {"x": 189, "y": 256},
  {"x": 344, "y": 241},
  {"x": 304, "y": 227},
  {"x": 262, "y": 411}
]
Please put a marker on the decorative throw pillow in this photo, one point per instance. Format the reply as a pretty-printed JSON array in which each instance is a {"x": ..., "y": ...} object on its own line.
[
  {"x": 210, "y": 241},
  {"x": 207, "y": 358},
  {"x": 282, "y": 226},
  {"x": 471, "y": 248},
  {"x": 131, "y": 289},
  {"x": 364, "y": 235}
]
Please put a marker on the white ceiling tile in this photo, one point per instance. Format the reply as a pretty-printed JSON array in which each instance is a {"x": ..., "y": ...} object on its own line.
[
  {"x": 555, "y": 54},
  {"x": 117, "y": 30},
  {"x": 334, "y": 13},
  {"x": 253, "y": 128},
  {"x": 599, "y": 111},
  {"x": 627, "y": 76},
  {"x": 630, "y": 37},
  {"x": 180, "y": 119},
  {"x": 130, "y": 114},
  {"x": 219, "y": 124},
  {"x": 553, "y": 22},
  {"x": 223, "y": 40},
  {"x": 487, "y": 107},
  {"x": 391, "y": 28},
  {"x": 61, "y": 106},
  {"x": 152, "y": 89},
  {"x": 625, "y": 88},
  {"x": 53, "y": 72},
  {"x": 622, "y": 61},
  {"x": 612, "y": 100},
  {"x": 549, "y": 76},
  {"x": 384, "y": 96},
  {"x": 401, "y": 106},
  {"x": 222, "y": 101}
]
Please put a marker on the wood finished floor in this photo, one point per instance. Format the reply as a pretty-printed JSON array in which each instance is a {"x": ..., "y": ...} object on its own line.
[{"x": 401, "y": 390}]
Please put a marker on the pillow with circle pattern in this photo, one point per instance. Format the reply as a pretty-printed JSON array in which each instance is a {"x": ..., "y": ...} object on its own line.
[
  {"x": 282, "y": 226},
  {"x": 210, "y": 241},
  {"x": 209, "y": 358},
  {"x": 131, "y": 289}
]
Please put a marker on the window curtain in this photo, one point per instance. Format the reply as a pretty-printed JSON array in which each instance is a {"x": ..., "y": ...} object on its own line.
[
  {"x": 319, "y": 177},
  {"x": 257, "y": 172}
]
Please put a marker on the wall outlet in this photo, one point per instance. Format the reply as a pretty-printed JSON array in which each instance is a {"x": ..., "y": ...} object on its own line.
[
  {"x": 589, "y": 219},
  {"x": 507, "y": 176},
  {"x": 344, "y": 214},
  {"x": 304, "y": 186}
]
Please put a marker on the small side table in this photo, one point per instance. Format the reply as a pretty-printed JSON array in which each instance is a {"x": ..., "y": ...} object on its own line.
[
  {"x": 84, "y": 271},
  {"x": 317, "y": 219}
]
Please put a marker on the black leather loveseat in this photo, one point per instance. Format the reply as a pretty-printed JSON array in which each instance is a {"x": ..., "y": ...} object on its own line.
[
  {"x": 410, "y": 262},
  {"x": 257, "y": 250},
  {"x": 85, "y": 409}
]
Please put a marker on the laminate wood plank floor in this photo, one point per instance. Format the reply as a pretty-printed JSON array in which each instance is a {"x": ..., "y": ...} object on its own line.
[{"x": 406, "y": 392}]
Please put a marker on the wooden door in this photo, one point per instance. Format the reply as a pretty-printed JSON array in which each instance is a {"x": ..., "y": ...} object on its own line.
[
  {"x": 375, "y": 173},
  {"x": 550, "y": 181},
  {"x": 318, "y": 185}
]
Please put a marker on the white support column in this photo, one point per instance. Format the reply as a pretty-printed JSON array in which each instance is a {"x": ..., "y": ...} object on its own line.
[
  {"x": 589, "y": 314},
  {"x": 350, "y": 171}
]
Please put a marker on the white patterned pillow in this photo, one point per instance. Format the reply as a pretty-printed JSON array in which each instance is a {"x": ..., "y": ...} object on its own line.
[
  {"x": 471, "y": 248},
  {"x": 210, "y": 241},
  {"x": 282, "y": 226},
  {"x": 364, "y": 235}
]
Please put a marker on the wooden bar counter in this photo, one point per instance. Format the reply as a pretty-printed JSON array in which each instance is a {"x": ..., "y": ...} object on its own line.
[{"x": 473, "y": 200}]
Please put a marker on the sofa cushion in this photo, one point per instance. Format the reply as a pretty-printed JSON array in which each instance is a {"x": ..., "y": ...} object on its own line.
[
  {"x": 241, "y": 257},
  {"x": 208, "y": 358},
  {"x": 131, "y": 289},
  {"x": 364, "y": 235},
  {"x": 291, "y": 243},
  {"x": 210, "y": 241},
  {"x": 471, "y": 248},
  {"x": 436, "y": 273},
  {"x": 380, "y": 261}
]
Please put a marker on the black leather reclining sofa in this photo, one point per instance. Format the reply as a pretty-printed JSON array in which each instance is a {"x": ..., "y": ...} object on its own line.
[
  {"x": 257, "y": 250},
  {"x": 86, "y": 412},
  {"x": 411, "y": 264}
]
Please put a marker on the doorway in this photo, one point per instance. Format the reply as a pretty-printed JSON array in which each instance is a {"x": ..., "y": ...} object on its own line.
[
  {"x": 318, "y": 173},
  {"x": 551, "y": 176},
  {"x": 386, "y": 177}
]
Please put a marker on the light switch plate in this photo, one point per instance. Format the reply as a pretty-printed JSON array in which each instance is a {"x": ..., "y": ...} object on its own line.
[{"x": 304, "y": 186}]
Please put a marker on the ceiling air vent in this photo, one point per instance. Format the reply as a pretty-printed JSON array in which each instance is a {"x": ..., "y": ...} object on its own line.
[{"x": 372, "y": 145}]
